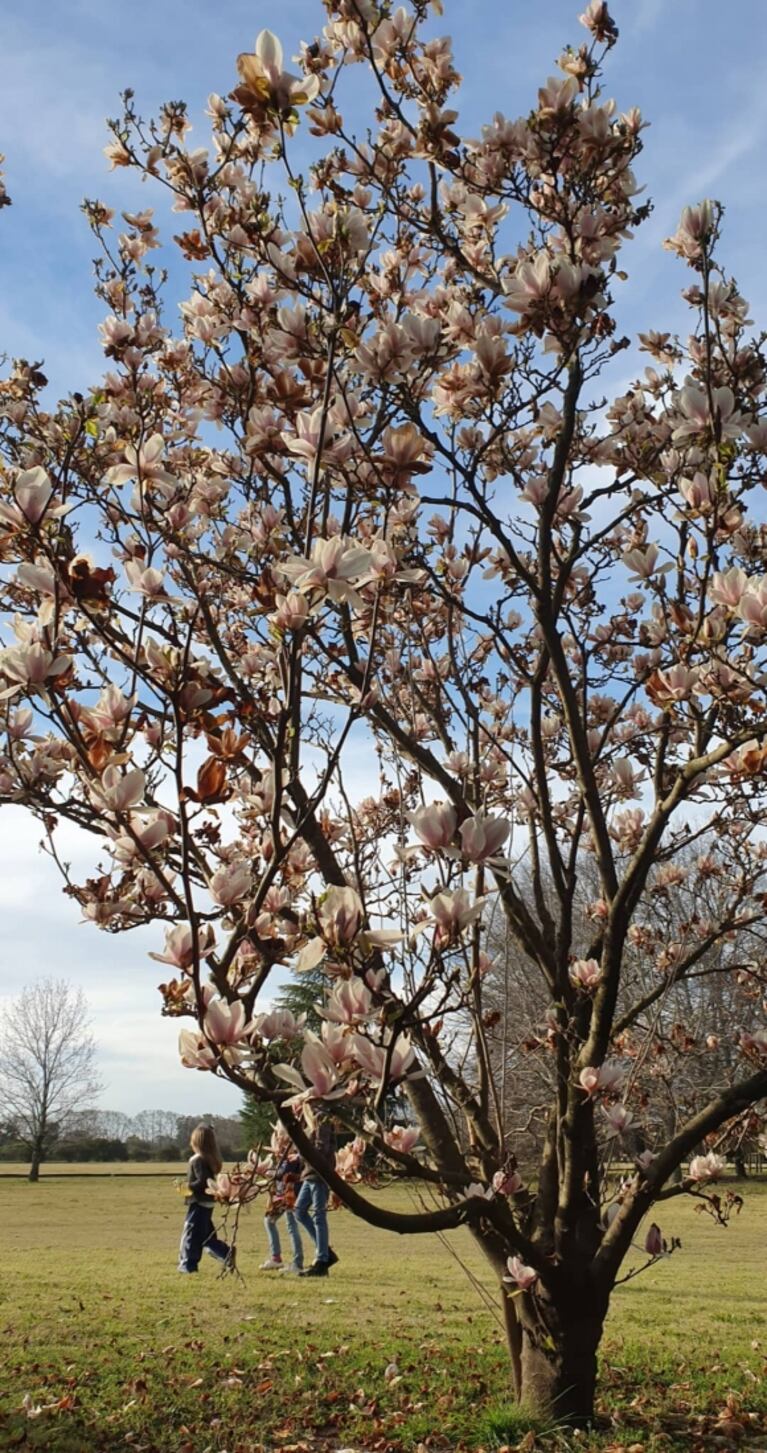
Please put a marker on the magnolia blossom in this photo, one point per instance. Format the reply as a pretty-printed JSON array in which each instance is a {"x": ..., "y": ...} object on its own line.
[
  {"x": 29, "y": 667},
  {"x": 374, "y": 1059},
  {"x": 402, "y": 1137},
  {"x": 179, "y": 945},
  {"x": 349, "y": 1158},
  {"x": 292, "y": 611},
  {"x": 340, "y": 916},
  {"x": 708, "y": 1167},
  {"x": 482, "y": 836},
  {"x": 754, "y": 1041},
  {"x": 643, "y": 562},
  {"x": 143, "y": 462},
  {"x": 693, "y": 405},
  {"x": 33, "y": 492},
  {"x": 694, "y": 232},
  {"x": 349, "y": 1003},
  {"x": 453, "y": 912},
  {"x": 608, "y": 1077},
  {"x": 332, "y": 567},
  {"x": 279, "y": 1024},
  {"x": 521, "y": 1275},
  {"x": 654, "y": 1243},
  {"x": 263, "y": 77},
  {"x": 315, "y": 436},
  {"x": 225, "y": 1023},
  {"x": 120, "y": 790},
  {"x": 195, "y": 1052},
  {"x": 435, "y": 825},
  {"x": 585, "y": 974},
  {"x": 619, "y": 1118},
  {"x": 728, "y": 586},
  {"x": 230, "y": 883},
  {"x": 507, "y": 1182}
]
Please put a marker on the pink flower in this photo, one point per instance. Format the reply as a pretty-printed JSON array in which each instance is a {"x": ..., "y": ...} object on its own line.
[
  {"x": 279, "y": 1024},
  {"x": 705, "y": 1168},
  {"x": 315, "y": 432},
  {"x": 608, "y": 1076},
  {"x": 195, "y": 1052},
  {"x": 454, "y": 912},
  {"x": 693, "y": 404},
  {"x": 755, "y": 1041},
  {"x": 263, "y": 76},
  {"x": 523, "y": 1276},
  {"x": 292, "y": 611},
  {"x": 402, "y": 1137},
  {"x": 145, "y": 463},
  {"x": 507, "y": 1182},
  {"x": 529, "y": 283},
  {"x": 29, "y": 666},
  {"x": 728, "y": 586},
  {"x": 482, "y": 836},
  {"x": 225, "y": 1023},
  {"x": 332, "y": 567},
  {"x": 349, "y": 1003},
  {"x": 653, "y": 1244},
  {"x": 619, "y": 1118},
  {"x": 643, "y": 562},
  {"x": 340, "y": 916},
  {"x": 698, "y": 493},
  {"x": 585, "y": 974},
  {"x": 373, "y": 1058},
  {"x": 145, "y": 580},
  {"x": 319, "y": 1067},
  {"x": 230, "y": 884},
  {"x": 695, "y": 228},
  {"x": 118, "y": 790},
  {"x": 179, "y": 949},
  {"x": 435, "y": 825}
]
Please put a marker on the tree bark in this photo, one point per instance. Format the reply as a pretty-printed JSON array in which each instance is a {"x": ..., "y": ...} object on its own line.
[
  {"x": 559, "y": 1358},
  {"x": 34, "y": 1168}
]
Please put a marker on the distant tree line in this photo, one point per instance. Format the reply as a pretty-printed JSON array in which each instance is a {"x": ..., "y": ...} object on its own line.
[{"x": 110, "y": 1135}]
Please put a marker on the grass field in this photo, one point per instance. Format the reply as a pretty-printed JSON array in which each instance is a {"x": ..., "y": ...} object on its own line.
[{"x": 119, "y": 1352}]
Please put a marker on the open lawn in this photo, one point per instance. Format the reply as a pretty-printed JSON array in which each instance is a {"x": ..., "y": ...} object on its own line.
[{"x": 119, "y": 1352}]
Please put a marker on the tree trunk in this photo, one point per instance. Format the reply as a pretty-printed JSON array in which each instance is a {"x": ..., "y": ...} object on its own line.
[
  {"x": 559, "y": 1360},
  {"x": 37, "y": 1157}
]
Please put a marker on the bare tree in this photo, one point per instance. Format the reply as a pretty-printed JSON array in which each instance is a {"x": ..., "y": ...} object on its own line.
[{"x": 47, "y": 1070}]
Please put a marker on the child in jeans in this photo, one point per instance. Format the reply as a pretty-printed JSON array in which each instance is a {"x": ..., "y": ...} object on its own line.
[
  {"x": 314, "y": 1194},
  {"x": 281, "y": 1202},
  {"x": 199, "y": 1234}
]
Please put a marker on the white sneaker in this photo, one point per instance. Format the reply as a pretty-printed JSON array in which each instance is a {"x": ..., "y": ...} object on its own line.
[
  {"x": 292, "y": 1269},
  {"x": 271, "y": 1264}
]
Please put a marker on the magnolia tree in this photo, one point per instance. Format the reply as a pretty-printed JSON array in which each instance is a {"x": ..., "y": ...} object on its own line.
[{"x": 349, "y": 609}]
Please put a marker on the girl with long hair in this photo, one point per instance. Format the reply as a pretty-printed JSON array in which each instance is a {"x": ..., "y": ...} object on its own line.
[{"x": 199, "y": 1233}]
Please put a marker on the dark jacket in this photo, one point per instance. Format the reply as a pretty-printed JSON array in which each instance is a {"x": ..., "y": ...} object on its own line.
[
  {"x": 324, "y": 1139},
  {"x": 197, "y": 1177}
]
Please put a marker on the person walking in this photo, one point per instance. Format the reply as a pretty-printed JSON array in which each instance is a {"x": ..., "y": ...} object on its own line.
[
  {"x": 199, "y": 1233},
  {"x": 282, "y": 1202},
  {"x": 311, "y": 1208}
]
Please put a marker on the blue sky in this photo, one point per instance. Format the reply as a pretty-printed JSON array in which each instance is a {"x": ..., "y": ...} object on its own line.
[{"x": 694, "y": 67}]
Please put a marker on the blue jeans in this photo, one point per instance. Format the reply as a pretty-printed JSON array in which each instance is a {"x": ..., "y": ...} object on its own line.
[
  {"x": 273, "y": 1234},
  {"x": 314, "y": 1222},
  {"x": 197, "y": 1236}
]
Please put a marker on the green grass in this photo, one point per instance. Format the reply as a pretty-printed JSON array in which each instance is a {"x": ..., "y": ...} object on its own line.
[{"x": 95, "y": 1319}]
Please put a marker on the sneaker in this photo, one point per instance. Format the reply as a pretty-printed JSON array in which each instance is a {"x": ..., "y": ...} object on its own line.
[
  {"x": 272, "y": 1263},
  {"x": 317, "y": 1268},
  {"x": 187, "y": 1270},
  {"x": 293, "y": 1268},
  {"x": 332, "y": 1258}
]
